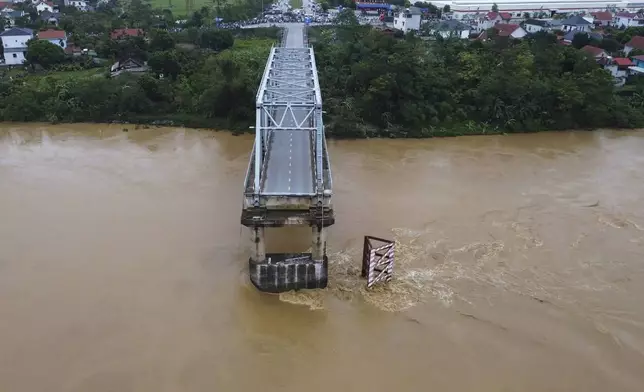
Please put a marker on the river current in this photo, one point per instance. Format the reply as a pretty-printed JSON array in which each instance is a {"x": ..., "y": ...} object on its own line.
[{"x": 520, "y": 266}]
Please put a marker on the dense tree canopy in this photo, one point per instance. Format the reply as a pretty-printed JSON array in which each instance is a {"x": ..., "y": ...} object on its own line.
[
  {"x": 44, "y": 53},
  {"x": 376, "y": 85}
]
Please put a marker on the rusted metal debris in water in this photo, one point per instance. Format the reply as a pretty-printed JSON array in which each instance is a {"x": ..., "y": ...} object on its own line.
[{"x": 377, "y": 260}]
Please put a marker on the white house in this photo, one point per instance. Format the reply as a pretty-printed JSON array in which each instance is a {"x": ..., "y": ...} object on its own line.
[
  {"x": 14, "y": 42},
  {"x": 532, "y": 26},
  {"x": 56, "y": 37},
  {"x": 576, "y": 23},
  {"x": 45, "y": 6},
  {"x": 628, "y": 19},
  {"x": 408, "y": 19},
  {"x": 80, "y": 4}
]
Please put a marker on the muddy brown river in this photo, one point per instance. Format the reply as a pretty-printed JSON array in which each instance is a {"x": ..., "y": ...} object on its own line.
[{"x": 520, "y": 266}]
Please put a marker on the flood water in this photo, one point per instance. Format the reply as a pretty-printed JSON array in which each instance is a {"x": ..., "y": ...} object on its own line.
[{"x": 520, "y": 266}]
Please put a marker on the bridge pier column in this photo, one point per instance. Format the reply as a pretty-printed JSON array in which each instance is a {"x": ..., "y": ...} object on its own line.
[
  {"x": 258, "y": 254},
  {"x": 318, "y": 248}
]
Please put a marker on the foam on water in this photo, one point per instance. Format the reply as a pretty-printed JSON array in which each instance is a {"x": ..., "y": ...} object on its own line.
[{"x": 434, "y": 269}]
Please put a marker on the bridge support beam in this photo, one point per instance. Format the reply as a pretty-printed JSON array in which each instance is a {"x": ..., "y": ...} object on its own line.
[
  {"x": 258, "y": 254},
  {"x": 318, "y": 246}
]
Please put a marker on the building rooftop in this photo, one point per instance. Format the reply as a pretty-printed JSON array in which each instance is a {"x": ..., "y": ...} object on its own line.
[
  {"x": 603, "y": 16},
  {"x": 537, "y": 22},
  {"x": 593, "y": 50},
  {"x": 576, "y": 20},
  {"x": 505, "y": 29},
  {"x": 16, "y": 31},
  {"x": 623, "y": 61},
  {"x": 52, "y": 34},
  {"x": 636, "y": 42}
]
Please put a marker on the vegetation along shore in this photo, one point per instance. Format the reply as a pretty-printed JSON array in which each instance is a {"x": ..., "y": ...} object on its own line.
[{"x": 374, "y": 83}]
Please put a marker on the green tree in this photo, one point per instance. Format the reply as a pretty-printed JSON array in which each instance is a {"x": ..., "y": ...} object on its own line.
[
  {"x": 580, "y": 40},
  {"x": 167, "y": 63},
  {"x": 44, "y": 53},
  {"x": 610, "y": 45},
  {"x": 161, "y": 40},
  {"x": 347, "y": 17},
  {"x": 324, "y": 5},
  {"x": 217, "y": 40},
  {"x": 495, "y": 7},
  {"x": 135, "y": 47},
  {"x": 447, "y": 8}
]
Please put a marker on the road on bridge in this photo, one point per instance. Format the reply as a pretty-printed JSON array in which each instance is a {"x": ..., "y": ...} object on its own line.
[{"x": 289, "y": 168}]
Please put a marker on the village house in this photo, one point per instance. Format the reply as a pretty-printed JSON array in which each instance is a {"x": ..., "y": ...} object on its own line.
[
  {"x": 510, "y": 30},
  {"x": 638, "y": 61},
  {"x": 14, "y": 42},
  {"x": 499, "y": 17},
  {"x": 636, "y": 42},
  {"x": 408, "y": 19},
  {"x": 452, "y": 28},
  {"x": 536, "y": 25},
  {"x": 10, "y": 16},
  {"x": 79, "y": 4},
  {"x": 628, "y": 19},
  {"x": 618, "y": 67},
  {"x": 124, "y": 33},
  {"x": 594, "y": 52},
  {"x": 490, "y": 19},
  {"x": 130, "y": 65},
  {"x": 50, "y": 18},
  {"x": 603, "y": 18},
  {"x": 576, "y": 23},
  {"x": 43, "y": 6},
  {"x": 56, "y": 37}
]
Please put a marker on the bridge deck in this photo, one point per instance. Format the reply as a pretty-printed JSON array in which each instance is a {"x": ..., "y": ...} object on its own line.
[{"x": 289, "y": 168}]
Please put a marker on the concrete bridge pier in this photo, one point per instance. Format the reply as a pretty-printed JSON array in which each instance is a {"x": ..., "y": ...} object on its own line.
[
  {"x": 318, "y": 246},
  {"x": 258, "y": 254}
]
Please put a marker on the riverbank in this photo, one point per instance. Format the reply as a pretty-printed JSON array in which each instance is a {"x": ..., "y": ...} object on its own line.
[{"x": 373, "y": 86}]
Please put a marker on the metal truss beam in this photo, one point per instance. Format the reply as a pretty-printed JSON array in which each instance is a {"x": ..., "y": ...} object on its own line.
[{"x": 289, "y": 99}]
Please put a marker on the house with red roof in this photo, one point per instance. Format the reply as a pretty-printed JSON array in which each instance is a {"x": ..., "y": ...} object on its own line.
[
  {"x": 492, "y": 18},
  {"x": 594, "y": 52},
  {"x": 56, "y": 37},
  {"x": 499, "y": 17},
  {"x": 603, "y": 18},
  {"x": 636, "y": 42},
  {"x": 509, "y": 30},
  {"x": 124, "y": 33},
  {"x": 619, "y": 68}
]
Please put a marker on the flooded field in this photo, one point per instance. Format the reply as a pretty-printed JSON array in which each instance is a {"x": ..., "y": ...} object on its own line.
[{"x": 520, "y": 266}]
